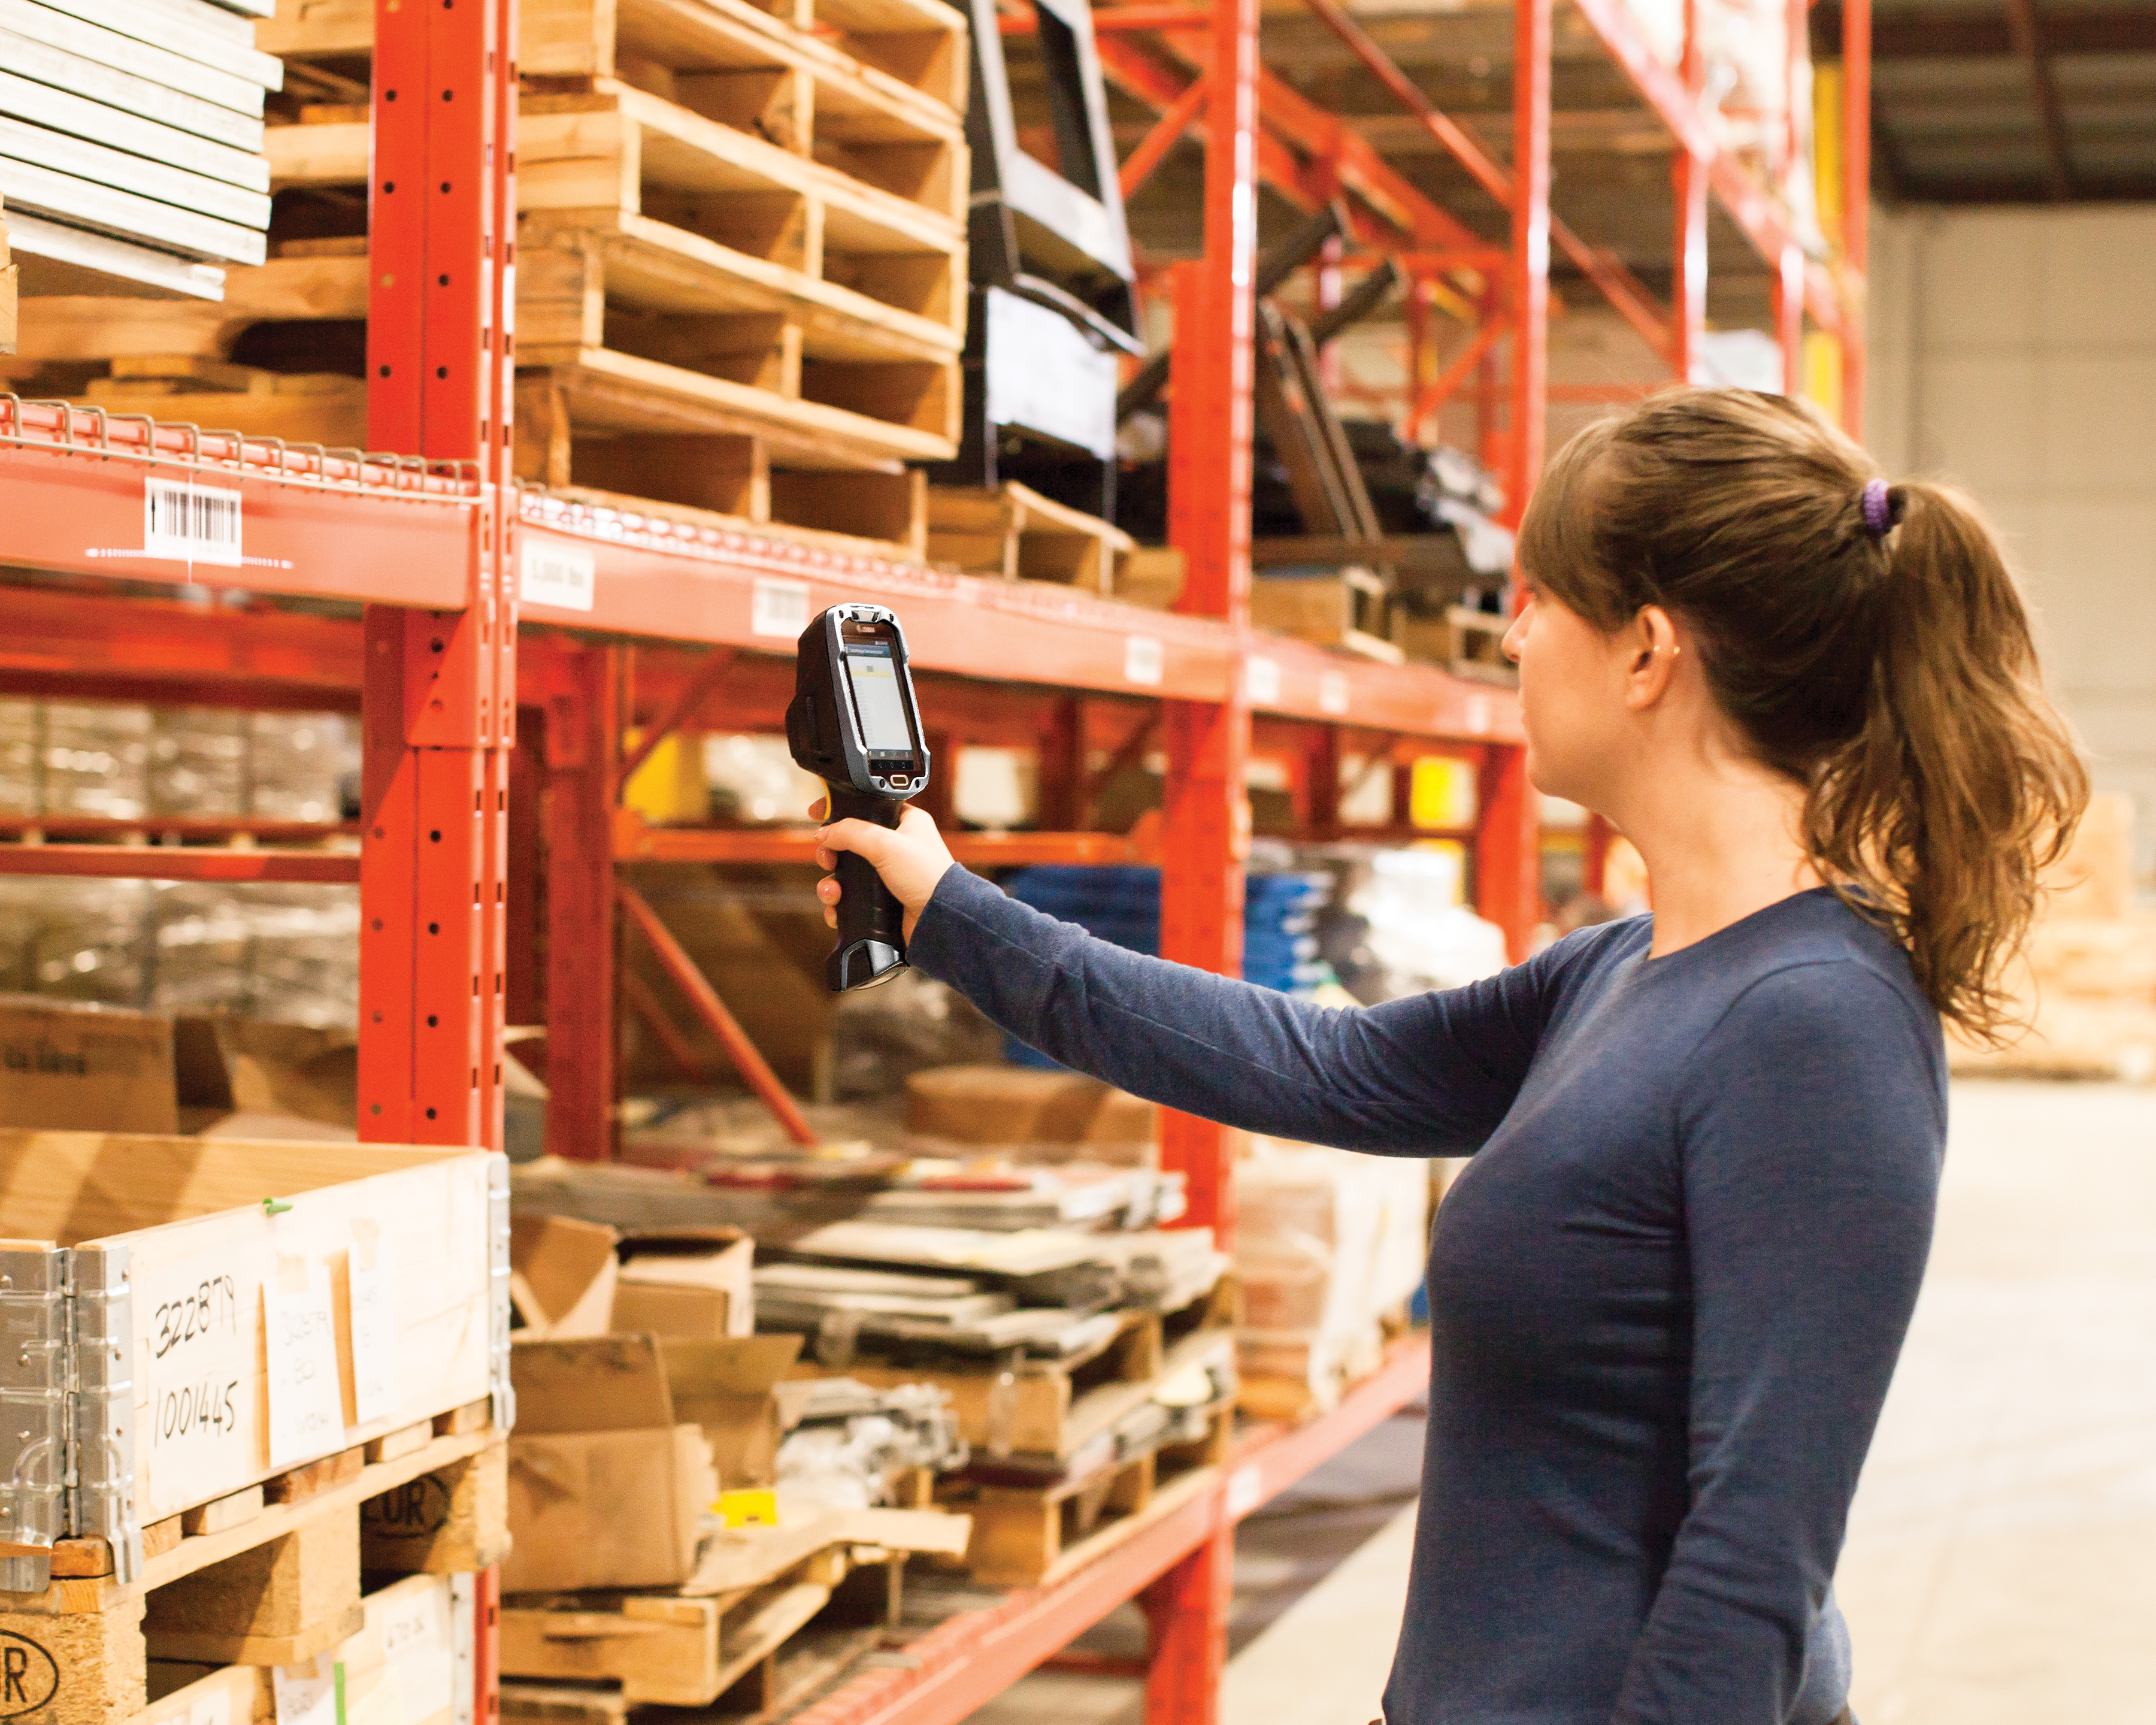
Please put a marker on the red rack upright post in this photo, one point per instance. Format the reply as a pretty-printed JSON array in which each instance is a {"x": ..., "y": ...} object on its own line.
[
  {"x": 1206, "y": 828},
  {"x": 438, "y": 702}
]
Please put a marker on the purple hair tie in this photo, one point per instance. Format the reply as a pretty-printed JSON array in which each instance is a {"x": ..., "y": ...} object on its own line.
[{"x": 1878, "y": 514}]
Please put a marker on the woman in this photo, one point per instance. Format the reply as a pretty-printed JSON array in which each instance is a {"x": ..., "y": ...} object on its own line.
[{"x": 1668, "y": 1291}]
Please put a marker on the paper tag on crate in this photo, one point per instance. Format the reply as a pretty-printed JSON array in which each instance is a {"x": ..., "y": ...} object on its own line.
[
  {"x": 373, "y": 1325},
  {"x": 307, "y": 1694},
  {"x": 417, "y": 1647},
  {"x": 306, "y": 1399}
]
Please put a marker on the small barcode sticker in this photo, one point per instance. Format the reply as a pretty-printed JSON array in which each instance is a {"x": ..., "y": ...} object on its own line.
[
  {"x": 779, "y": 607},
  {"x": 1332, "y": 693},
  {"x": 191, "y": 523},
  {"x": 554, "y": 575},
  {"x": 1261, "y": 681},
  {"x": 1143, "y": 660}
]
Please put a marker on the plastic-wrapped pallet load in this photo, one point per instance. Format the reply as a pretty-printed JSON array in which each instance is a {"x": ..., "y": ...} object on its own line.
[
  {"x": 130, "y": 142},
  {"x": 1329, "y": 1247}
]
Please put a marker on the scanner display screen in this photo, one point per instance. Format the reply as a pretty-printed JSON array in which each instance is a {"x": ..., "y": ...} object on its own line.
[{"x": 879, "y": 700}]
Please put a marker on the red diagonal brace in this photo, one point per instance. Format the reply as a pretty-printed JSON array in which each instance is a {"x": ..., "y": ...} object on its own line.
[
  {"x": 1152, "y": 149},
  {"x": 708, "y": 1007},
  {"x": 1441, "y": 387},
  {"x": 692, "y": 696}
]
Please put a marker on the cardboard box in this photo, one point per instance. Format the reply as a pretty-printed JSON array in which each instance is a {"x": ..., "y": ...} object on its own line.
[
  {"x": 570, "y": 1278},
  {"x": 605, "y": 1488},
  {"x": 246, "y": 1077},
  {"x": 65, "y": 1067},
  {"x": 562, "y": 1276},
  {"x": 729, "y": 1389},
  {"x": 1024, "y": 1105},
  {"x": 695, "y": 1284}
]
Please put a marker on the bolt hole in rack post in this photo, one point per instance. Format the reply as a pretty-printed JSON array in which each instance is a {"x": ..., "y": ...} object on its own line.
[{"x": 665, "y": 618}]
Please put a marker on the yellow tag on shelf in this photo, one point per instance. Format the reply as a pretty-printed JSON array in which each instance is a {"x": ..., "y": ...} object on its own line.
[{"x": 748, "y": 1509}]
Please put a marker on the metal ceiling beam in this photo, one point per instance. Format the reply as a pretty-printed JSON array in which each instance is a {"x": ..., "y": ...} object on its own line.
[
  {"x": 2058, "y": 158},
  {"x": 1934, "y": 35}
]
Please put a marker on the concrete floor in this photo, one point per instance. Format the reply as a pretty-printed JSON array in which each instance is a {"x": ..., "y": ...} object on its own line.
[{"x": 2001, "y": 1562}]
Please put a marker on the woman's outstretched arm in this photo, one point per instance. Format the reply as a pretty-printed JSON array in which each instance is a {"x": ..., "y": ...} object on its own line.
[{"x": 1428, "y": 1075}]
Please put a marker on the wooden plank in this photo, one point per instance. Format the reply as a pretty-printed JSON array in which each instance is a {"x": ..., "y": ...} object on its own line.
[
  {"x": 58, "y": 110},
  {"x": 300, "y": 1484},
  {"x": 42, "y": 190},
  {"x": 620, "y": 391},
  {"x": 763, "y": 1627},
  {"x": 223, "y": 1513},
  {"x": 139, "y": 59},
  {"x": 89, "y": 77},
  {"x": 78, "y": 1670},
  {"x": 318, "y": 29},
  {"x": 208, "y": 1646},
  {"x": 87, "y": 161},
  {"x": 87, "y": 327},
  {"x": 407, "y": 1441},
  {"x": 275, "y": 1602},
  {"x": 317, "y": 155},
  {"x": 237, "y": 1694},
  {"x": 334, "y": 422},
  {"x": 659, "y": 1650},
  {"x": 192, "y": 33}
]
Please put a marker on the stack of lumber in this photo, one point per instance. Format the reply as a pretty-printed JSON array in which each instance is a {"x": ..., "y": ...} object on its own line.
[
  {"x": 130, "y": 142},
  {"x": 2087, "y": 994}
]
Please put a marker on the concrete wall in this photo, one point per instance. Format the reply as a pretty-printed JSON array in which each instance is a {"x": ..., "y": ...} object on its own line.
[{"x": 2014, "y": 352}]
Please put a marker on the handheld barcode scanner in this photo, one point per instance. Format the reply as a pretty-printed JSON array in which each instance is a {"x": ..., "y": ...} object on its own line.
[{"x": 853, "y": 724}]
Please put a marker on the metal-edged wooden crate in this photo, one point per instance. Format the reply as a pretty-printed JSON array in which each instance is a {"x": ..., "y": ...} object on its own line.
[{"x": 198, "y": 1317}]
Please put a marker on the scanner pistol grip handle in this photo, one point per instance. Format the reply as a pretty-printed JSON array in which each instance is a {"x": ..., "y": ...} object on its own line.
[{"x": 871, "y": 921}]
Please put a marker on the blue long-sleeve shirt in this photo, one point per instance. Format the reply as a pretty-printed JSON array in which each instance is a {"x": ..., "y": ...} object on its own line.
[{"x": 1667, "y": 1294}]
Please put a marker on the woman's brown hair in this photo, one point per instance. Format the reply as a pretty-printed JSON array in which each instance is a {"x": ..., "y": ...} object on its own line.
[{"x": 1882, "y": 660}]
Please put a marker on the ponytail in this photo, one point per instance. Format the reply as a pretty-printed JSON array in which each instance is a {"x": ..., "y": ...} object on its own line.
[
  {"x": 1939, "y": 815},
  {"x": 1866, "y": 640}
]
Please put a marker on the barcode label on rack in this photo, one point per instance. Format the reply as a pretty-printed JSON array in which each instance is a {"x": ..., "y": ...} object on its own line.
[
  {"x": 1144, "y": 661},
  {"x": 1479, "y": 716},
  {"x": 191, "y": 523},
  {"x": 1261, "y": 681},
  {"x": 556, "y": 576},
  {"x": 780, "y": 607},
  {"x": 1332, "y": 693}
]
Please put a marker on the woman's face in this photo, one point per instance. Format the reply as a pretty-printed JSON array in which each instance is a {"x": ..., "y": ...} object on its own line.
[{"x": 1572, "y": 700}]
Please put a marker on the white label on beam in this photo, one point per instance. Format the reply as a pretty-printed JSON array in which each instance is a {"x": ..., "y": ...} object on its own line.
[
  {"x": 555, "y": 575},
  {"x": 1478, "y": 715},
  {"x": 191, "y": 523},
  {"x": 1332, "y": 693},
  {"x": 779, "y": 607},
  {"x": 1261, "y": 681},
  {"x": 1247, "y": 1491},
  {"x": 1144, "y": 660}
]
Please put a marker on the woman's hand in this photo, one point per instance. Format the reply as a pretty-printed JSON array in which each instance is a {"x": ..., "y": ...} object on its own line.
[{"x": 912, "y": 859}]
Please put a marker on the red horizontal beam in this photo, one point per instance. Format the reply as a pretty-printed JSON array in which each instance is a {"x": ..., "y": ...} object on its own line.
[
  {"x": 635, "y": 842},
  {"x": 58, "y": 827},
  {"x": 166, "y": 862},
  {"x": 312, "y": 524}
]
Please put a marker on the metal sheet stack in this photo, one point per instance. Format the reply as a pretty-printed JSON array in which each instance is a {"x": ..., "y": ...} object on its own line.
[{"x": 130, "y": 142}]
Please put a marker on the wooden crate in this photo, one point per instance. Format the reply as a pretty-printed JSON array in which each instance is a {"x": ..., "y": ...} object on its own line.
[
  {"x": 1027, "y": 1536},
  {"x": 1467, "y": 643},
  {"x": 1350, "y": 609},
  {"x": 230, "y": 1271},
  {"x": 1015, "y": 532},
  {"x": 269, "y": 1578}
]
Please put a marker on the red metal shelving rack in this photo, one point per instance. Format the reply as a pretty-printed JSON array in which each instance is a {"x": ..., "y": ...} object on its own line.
[{"x": 431, "y": 546}]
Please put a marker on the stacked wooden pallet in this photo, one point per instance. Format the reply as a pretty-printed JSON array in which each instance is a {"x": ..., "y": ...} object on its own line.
[
  {"x": 130, "y": 140},
  {"x": 741, "y": 273}
]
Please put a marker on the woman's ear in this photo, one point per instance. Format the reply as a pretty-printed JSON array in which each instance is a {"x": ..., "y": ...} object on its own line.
[{"x": 1651, "y": 647}]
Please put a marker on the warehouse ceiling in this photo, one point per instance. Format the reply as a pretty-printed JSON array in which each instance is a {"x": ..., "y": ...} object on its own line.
[{"x": 2009, "y": 102}]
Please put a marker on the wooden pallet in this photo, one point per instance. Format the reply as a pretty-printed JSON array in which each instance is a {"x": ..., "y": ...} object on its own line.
[
  {"x": 269, "y": 1576},
  {"x": 1015, "y": 532},
  {"x": 721, "y": 1634},
  {"x": 1349, "y": 609},
  {"x": 1467, "y": 643},
  {"x": 313, "y": 282},
  {"x": 1027, "y": 1537},
  {"x": 908, "y": 51},
  {"x": 1053, "y": 1408},
  {"x": 803, "y": 1667}
]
